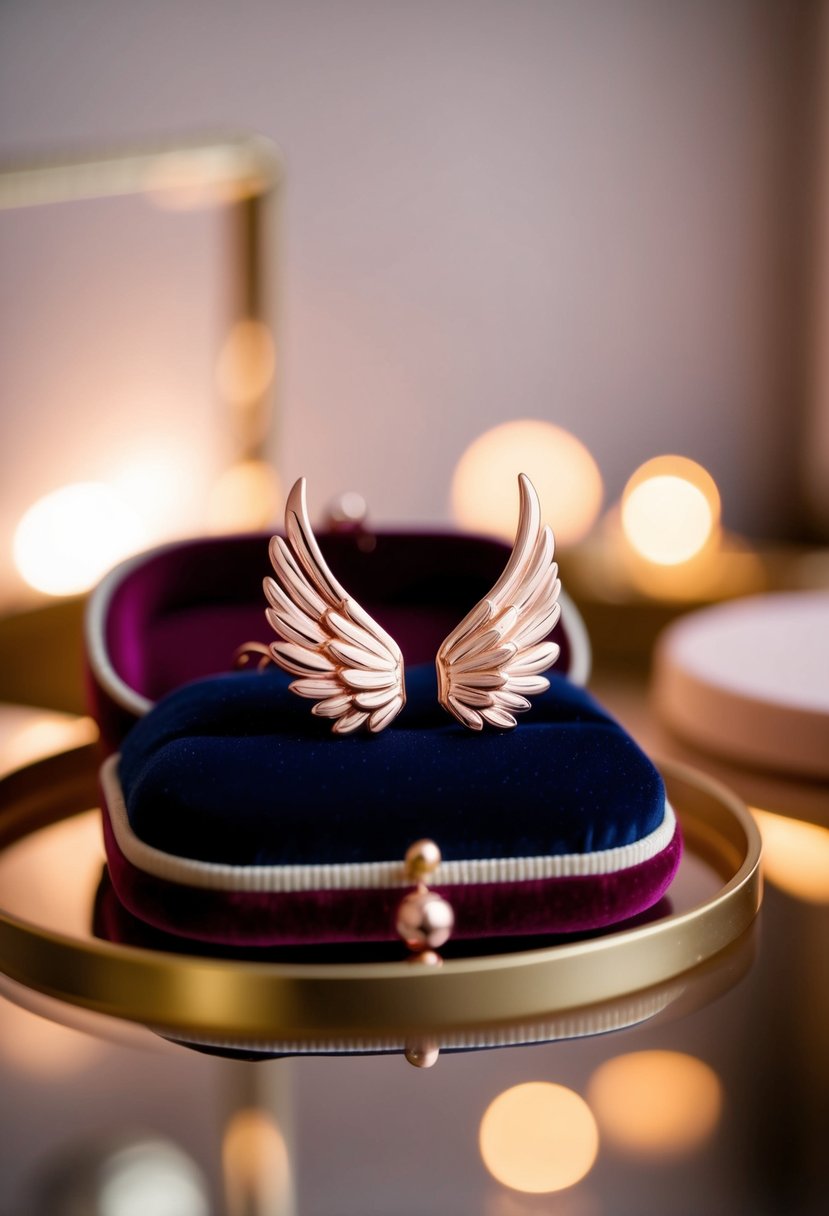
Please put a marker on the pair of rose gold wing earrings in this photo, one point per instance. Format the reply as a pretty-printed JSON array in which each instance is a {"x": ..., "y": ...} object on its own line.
[{"x": 353, "y": 670}]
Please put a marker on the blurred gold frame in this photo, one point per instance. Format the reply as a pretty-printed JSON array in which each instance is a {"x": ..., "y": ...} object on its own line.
[
  {"x": 242, "y": 173},
  {"x": 40, "y": 650}
]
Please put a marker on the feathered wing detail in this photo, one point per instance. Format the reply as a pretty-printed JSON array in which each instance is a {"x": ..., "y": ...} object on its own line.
[
  {"x": 345, "y": 662},
  {"x": 492, "y": 662}
]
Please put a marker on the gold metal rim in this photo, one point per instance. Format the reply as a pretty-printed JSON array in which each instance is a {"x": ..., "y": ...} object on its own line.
[{"x": 305, "y": 1002}]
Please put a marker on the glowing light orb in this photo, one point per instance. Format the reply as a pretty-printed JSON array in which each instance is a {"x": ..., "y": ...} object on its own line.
[
  {"x": 246, "y": 363},
  {"x": 538, "y": 1138},
  {"x": 160, "y": 483},
  {"x": 257, "y": 1165},
  {"x": 670, "y": 510},
  {"x": 567, "y": 478},
  {"x": 795, "y": 856},
  {"x": 245, "y": 497},
  {"x": 39, "y": 734},
  {"x": 151, "y": 1175},
  {"x": 656, "y": 1103},
  {"x": 348, "y": 510},
  {"x": 67, "y": 540}
]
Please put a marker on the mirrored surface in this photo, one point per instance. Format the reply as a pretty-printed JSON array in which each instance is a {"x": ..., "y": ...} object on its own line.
[
  {"x": 52, "y": 877},
  {"x": 710, "y": 1096}
]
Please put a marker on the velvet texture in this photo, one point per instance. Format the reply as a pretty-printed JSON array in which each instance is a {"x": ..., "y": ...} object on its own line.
[
  {"x": 488, "y": 910},
  {"x": 180, "y": 612},
  {"x": 235, "y": 769},
  {"x": 112, "y": 921}
]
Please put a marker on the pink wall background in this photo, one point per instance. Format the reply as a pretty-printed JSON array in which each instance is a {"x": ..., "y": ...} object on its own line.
[{"x": 594, "y": 213}]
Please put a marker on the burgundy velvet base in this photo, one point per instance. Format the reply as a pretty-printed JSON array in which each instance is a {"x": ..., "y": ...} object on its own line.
[
  {"x": 113, "y": 923},
  {"x": 557, "y": 905}
]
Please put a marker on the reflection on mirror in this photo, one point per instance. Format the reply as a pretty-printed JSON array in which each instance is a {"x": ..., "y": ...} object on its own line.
[
  {"x": 656, "y": 1103},
  {"x": 257, "y": 1166},
  {"x": 795, "y": 856},
  {"x": 38, "y": 1048},
  {"x": 538, "y": 1137}
]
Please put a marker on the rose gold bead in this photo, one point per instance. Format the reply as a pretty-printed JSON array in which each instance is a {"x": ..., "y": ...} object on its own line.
[
  {"x": 424, "y": 920},
  {"x": 423, "y": 1054},
  {"x": 422, "y": 857},
  {"x": 426, "y": 958}
]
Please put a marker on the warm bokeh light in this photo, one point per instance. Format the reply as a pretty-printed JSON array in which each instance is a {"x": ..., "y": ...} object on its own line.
[
  {"x": 149, "y": 1176},
  {"x": 28, "y": 734},
  {"x": 579, "y": 1201},
  {"x": 656, "y": 1103},
  {"x": 567, "y": 478},
  {"x": 795, "y": 856},
  {"x": 538, "y": 1137},
  {"x": 51, "y": 876},
  {"x": 246, "y": 363},
  {"x": 41, "y": 1049},
  {"x": 162, "y": 484},
  {"x": 347, "y": 510},
  {"x": 246, "y": 497},
  {"x": 257, "y": 1167},
  {"x": 670, "y": 510},
  {"x": 67, "y": 540}
]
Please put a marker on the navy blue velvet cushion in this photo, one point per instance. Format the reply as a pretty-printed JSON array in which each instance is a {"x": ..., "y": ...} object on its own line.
[{"x": 235, "y": 769}]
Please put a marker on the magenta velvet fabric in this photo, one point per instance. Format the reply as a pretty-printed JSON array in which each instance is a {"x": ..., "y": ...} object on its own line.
[
  {"x": 112, "y": 922},
  {"x": 563, "y": 905},
  {"x": 181, "y": 611},
  {"x": 179, "y": 614}
]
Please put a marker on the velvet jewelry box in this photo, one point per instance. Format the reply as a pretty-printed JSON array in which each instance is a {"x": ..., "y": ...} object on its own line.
[{"x": 233, "y": 816}]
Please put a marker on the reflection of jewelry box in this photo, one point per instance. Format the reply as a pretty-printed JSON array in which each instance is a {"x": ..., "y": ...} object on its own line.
[{"x": 231, "y": 815}]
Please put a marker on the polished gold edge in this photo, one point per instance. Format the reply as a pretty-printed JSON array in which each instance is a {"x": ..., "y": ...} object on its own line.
[
  {"x": 668, "y": 1001},
  {"x": 250, "y": 162},
  {"x": 302, "y": 1002},
  {"x": 241, "y": 172}
]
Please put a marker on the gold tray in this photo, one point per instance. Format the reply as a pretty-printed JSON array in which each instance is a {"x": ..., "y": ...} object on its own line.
[{"x": 43, "y": 948}]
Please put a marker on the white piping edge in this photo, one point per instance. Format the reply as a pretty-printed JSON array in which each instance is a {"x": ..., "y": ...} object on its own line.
[
  {"x": 100, "y": 663},
  {"x": 371, "y": 875},
  {"x": 581, "y": 654},
  {"x": 570, "y": 1026}
]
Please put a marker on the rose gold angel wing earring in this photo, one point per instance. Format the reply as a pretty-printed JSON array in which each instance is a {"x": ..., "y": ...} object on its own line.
[
  {"x": 492, "y": 662},
  {"x": 346, "y": 663},
  {"x": 353, "y": 670}
]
